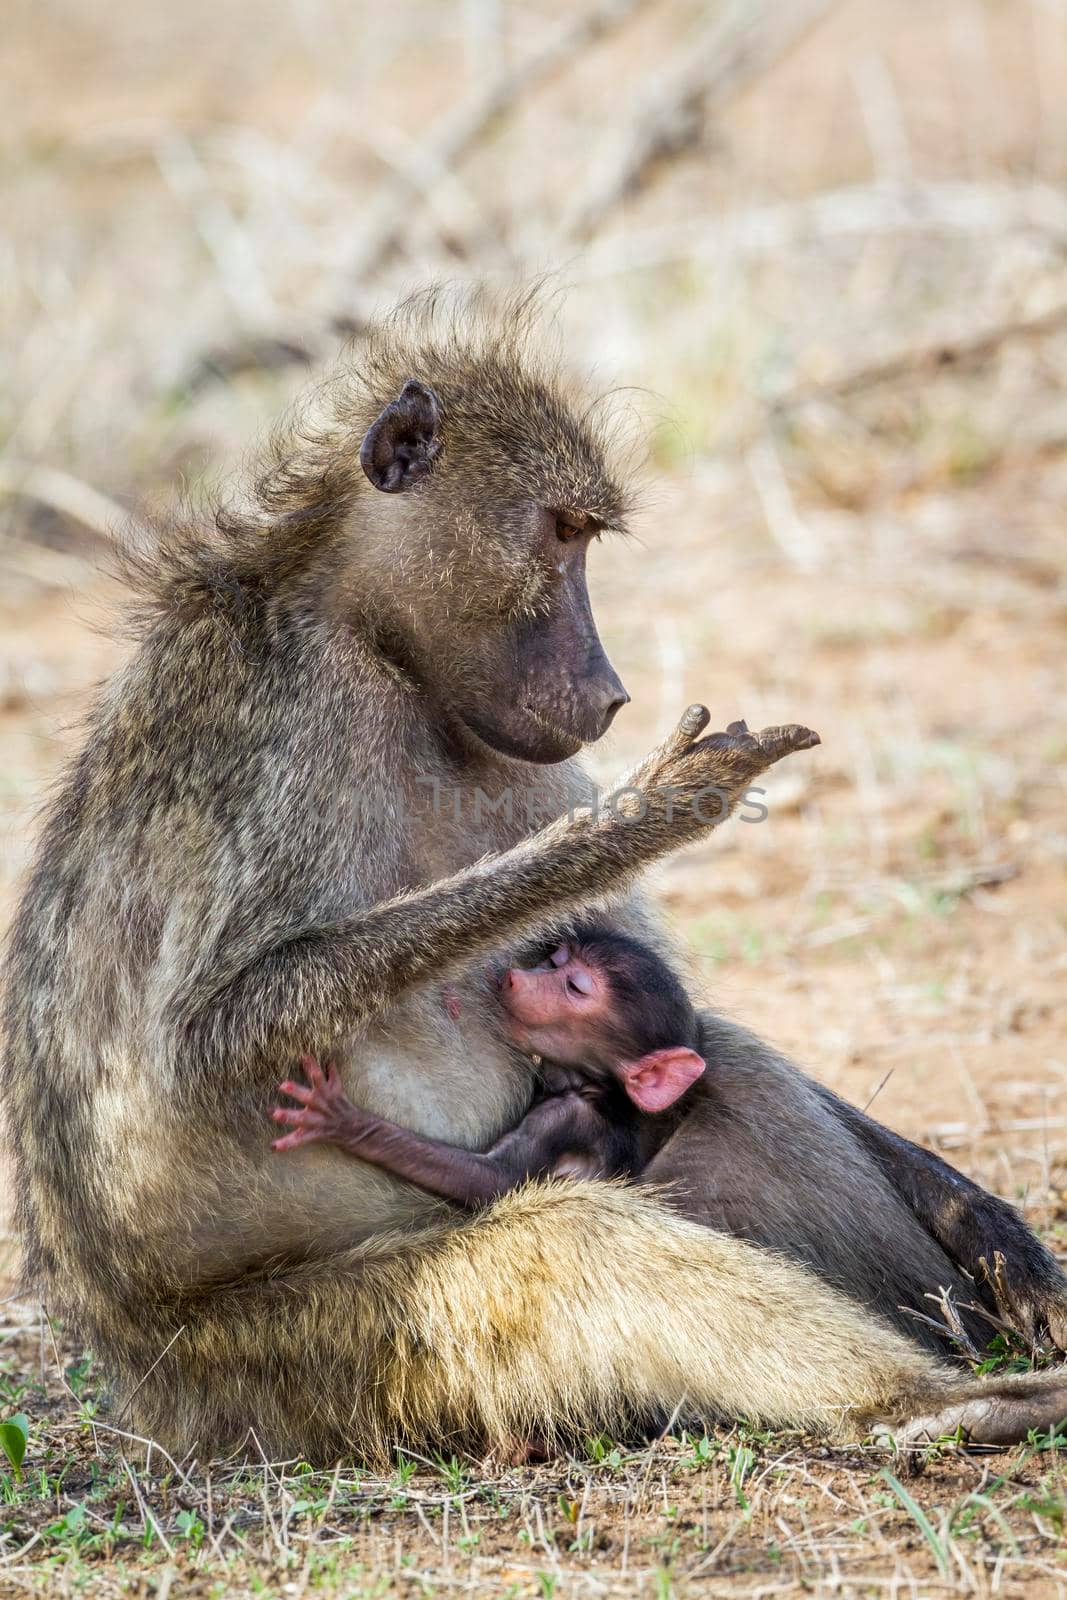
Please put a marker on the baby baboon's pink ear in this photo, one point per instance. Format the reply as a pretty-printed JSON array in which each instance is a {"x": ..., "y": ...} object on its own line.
[{"x": 656, "y": 1080}]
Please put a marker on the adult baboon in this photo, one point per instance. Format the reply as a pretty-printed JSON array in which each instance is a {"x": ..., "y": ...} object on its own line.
[{"x": 304, "y": 803}]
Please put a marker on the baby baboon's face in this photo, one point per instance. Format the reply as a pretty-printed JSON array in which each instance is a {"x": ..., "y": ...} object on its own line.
[
  {"x": 566, "y": 1010},
  {"x": 560, "y": 1008}
]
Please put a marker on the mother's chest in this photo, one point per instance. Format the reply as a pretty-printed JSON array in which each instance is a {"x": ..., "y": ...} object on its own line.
[{"x": 436, "y": 1062}]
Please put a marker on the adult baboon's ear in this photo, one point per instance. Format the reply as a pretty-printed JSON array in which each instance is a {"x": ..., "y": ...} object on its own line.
[{"x": 405, "y": 441}]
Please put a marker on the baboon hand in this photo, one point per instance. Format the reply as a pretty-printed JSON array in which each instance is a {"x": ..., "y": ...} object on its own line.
[
  {"x": 694, "y": 767},
  {"x": 324, "y": 1114}
]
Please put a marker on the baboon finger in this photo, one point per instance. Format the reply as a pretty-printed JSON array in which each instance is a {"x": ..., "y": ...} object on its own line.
[
  {"x": 293, "y": 1141},
  {"x": 739, "y": 743},
  {"x": 780, "y": 741},
  {"x": 693, "y": 721},
  {"x": 1054, "y": 1322},
  {"x": 1040, "y": 1320},
  {"x": 741, "y": 726},
  {"x": 295, "y": 1116},
  {"x": 995, "y": 1422},
  {"x": 297, "y": 1091},
  {"x": 1002, "y": 1418}
]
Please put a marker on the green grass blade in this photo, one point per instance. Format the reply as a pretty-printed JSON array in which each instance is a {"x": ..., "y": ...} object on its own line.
[{"x": 922, "y": 1521}]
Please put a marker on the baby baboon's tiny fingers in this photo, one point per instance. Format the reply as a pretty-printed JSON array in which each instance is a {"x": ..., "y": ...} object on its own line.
[
  {"x": 313, "y": 1071},
  {"x": 297, "y": 1091},
  {"x": 293, "y": 1141}
]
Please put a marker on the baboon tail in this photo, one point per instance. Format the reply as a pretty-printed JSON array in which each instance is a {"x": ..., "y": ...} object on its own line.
[{"x": 565, "y": 1309}]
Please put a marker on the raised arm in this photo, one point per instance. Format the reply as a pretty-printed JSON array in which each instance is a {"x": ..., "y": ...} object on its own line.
[{"x": 303, "y": 994}]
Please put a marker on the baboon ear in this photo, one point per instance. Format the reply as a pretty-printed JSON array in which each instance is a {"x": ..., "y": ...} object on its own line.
[
  {"x": 657, "y": 1080},
  {"x": 402, "y": 446}
]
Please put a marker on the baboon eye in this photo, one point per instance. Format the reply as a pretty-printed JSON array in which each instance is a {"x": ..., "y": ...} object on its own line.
[{"x": 565, "y": 529}]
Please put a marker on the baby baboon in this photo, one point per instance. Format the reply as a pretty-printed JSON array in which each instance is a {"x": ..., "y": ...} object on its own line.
[
  {"x": 623, "y": 1093},
  {"x": 615, "y": 1036},
  {"x": 322, "y": 787}
]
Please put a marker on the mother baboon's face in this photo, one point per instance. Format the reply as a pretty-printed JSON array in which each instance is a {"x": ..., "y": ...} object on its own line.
[{"x": 491, "y": 589}]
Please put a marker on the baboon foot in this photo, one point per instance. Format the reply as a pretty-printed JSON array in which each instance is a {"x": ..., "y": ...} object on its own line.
[
  {"x": 1001, "y": 1417},
  {"x": 1028, "y": 1297}
]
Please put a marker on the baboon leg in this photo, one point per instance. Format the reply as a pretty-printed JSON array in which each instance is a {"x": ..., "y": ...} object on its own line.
[
  {"x": 565, "y": 1308},
  {"x": 974, "y": 1228},
  {"x": 796, "y": 1168},
  {"x": 769, "y": 1160}
]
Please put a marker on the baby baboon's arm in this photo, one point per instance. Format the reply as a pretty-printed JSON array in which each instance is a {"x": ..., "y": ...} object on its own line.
[
  {"x": 310, "y": 990},
  {"x": 553, "y": 1127}
]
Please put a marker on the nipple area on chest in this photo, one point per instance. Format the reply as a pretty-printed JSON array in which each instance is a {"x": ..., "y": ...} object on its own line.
[{"x": 452, "y": 1003}]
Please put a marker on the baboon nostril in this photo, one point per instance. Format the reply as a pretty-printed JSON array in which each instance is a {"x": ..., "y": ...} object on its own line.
[{"x": 611, "y": 700}]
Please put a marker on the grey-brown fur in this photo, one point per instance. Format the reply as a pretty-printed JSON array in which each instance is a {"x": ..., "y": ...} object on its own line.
[{"x": 223, "y": 882}]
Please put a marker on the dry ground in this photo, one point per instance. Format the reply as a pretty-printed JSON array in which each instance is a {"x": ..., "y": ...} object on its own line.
[{"x": 883, "y": 558}]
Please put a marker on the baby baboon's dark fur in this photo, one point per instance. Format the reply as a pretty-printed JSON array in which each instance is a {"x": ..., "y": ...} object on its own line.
[
  {"x": 586, "y": 1120},
  {"x": 249, "y": 860}
]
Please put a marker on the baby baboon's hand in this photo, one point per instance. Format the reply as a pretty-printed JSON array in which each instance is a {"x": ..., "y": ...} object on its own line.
[
  {"x": 682, "y": 779},
  {"x": 324, "y": 1115}
]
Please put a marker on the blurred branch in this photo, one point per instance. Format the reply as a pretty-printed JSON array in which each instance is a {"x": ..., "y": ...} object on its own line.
[
  {"x": 54, "y": 569},
  {"x": 792, "y": 535},
  {"x": 424, "y": 172},
  {"x": 245, "y": 286},
  {"x": 58, "y": 490},
  {"x": 856, "y": 211},
  {"x": 463, "y": 130},
  {"x": 443, "y": 149},
  {"x": 745, "y": 43},
  {"x": 919, "y": 360}
]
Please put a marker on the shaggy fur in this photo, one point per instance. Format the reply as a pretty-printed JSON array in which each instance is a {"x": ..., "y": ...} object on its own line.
[{"x": 243, "y": 864}]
